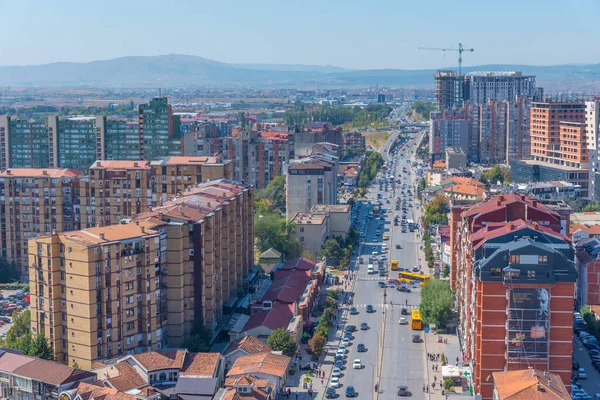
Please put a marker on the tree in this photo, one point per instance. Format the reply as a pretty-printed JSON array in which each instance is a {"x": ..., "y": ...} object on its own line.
[
  {"x": 281, "y": 340},
  {"x": 199, "y": 341},
  {"x": 316, "y": 344},
  {"x": 40, "y": 348},
  {"x": 274, "y": 194},
  {"x": 495, "y": 174},
  {"x": 272, "y": 230},
  {"x": 8, "y": 271},
  {"x": 332, "y": 249},
  {"x": 436, "y": 302}
]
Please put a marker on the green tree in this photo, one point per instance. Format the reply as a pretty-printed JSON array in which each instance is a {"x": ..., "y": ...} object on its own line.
[
  {"x": 332, "y": 250},
  {"x": 21, "y": 322},
  {"x": 496, "y": 173},
  {"x": 316, "y": 344},
  {"x": 8, "y": 271},
  {"x": 199, "y": 341},
  {"x": 274, "y": 194},
  {"x": 40, "y": 348},
  {"x": 272, "y": 230},
  {"x": 281, "y": 340},
  {"x": 436, "y": 302}
]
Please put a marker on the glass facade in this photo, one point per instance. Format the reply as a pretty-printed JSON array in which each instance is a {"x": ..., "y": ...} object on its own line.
[
  {"x": 28, "y": 142},
  {"x": 76, "y": 143},
  {"x": 160, "y": 130},
  {"x": 121, "y": 140}
]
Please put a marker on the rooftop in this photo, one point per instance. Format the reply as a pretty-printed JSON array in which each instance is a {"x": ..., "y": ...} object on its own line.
[
  {"x": 40, "y": 172},
  {"x": 565, "y": 168},
  {"x": 529, "y": 384},
  {"x": 250, "y": 345},
  {"x": 97, "y": 391},
  {"x": 156, "y": 360},
  {"x": 181, "y": 160},
  {"x": 51, "y": 372},
  {"x": 305, "y": 218},
  {"x": 332, "y": 208},
  {"x": 111, "y": 233},
  {"x": 277, "y": 317},
  {"x": 265, "y": 363},
  {"x": 112, "y": 165},
  {"x": 461, "y": 180},
  {"x": 503, "y": 201}
]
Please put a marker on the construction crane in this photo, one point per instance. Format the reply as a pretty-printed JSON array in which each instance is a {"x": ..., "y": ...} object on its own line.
[{"x": 460, "y": 50}]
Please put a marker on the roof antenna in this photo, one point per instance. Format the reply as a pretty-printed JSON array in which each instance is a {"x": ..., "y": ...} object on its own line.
[{"x": 159, "y": 92}]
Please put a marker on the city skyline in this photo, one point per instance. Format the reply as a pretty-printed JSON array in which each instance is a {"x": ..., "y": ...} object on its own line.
[{"x": 387, "y": 35}]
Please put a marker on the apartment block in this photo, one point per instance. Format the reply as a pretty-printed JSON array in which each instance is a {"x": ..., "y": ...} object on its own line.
[
  {"x": 203, "y": 139},
  {"x": 312, "y": 230},
  {"x": 492, "y": 132},
  {"x": 481, "y": 87},
  {"x": 446, "y": 90},
  {"x": 117, "y": 139},
  {"x": 23, "y": 143},
  {"x": 339, "y": 215},
  {"x": 592, "y": 125},
  {"x": 99, "y": 293},
  {"x": 159, "y": 130},
  {"x": 309, "y": 181},
  {"x": 35, "y": 202},
  {"x": 353, "y": 142},
  {"x": 210, "y": 235},
  {"x": 117, "y": 189},
  {"x": 447, "y": 131},
  {"x": 514, "y": 279},
  {"x": 258, "y": 157},
  {"x": 573, "y": 146},
  {"x": 72, "y": 142}
]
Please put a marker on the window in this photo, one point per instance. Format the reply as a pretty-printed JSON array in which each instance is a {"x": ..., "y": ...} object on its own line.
[
  {"x": 512, "y": 274},
  {"x": 495, "y": 272},
  {"x": 542, "y": 259},
  {"x": 515, "y": 259},
  {"x": 531, "y": 274}
]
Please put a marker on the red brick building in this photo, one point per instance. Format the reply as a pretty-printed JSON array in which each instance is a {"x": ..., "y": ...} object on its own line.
[{"x": 514, "y": 277}]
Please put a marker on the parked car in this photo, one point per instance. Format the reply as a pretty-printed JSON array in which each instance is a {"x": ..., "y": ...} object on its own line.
[
  {"x": 334, "y": 382},
  {"x": 350, "y": 328},
  {"x": 581, "y": 374},
  {"x": 336, "y": 372},
  {"x": 356, "y": 364},
  {"x": 330, "y": 393},
  {"x": 402, "y": 391}
]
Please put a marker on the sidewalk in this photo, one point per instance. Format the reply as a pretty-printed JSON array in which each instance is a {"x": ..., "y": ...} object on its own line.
[{"x": 451, "y": 350}]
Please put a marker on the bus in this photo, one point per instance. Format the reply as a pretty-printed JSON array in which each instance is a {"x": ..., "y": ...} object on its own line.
[
  {"x": 415, "y": 320},
  {"x": 394, "y": 265},
  {"x": 411, "y": 225},
  {"x": 411, "y": 276}
]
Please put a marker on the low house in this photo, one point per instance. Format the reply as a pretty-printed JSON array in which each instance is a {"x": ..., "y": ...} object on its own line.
[
  {"x": 249, "y": 387},
  {"x": 268, "y": 259},
  {"x": 23, "y": 377},
  {"x": 268, "y": 366},
  {"x": 339, "y": 217},
  {"x": 528, "y": 384},
  {"x": 311, "y": 230},
  {"x": 246, "y": 346}
]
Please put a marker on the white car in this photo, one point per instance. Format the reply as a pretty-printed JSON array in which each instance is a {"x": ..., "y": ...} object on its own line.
[
  {"x": 334, "y": 382},
  {"x": 346, "y": 341},
  {"x": 356, "y": 364},
  {"x": 336, "y": 372},
  {"x": 403, "y": 321},
  {"x": 340, "y": 352}
]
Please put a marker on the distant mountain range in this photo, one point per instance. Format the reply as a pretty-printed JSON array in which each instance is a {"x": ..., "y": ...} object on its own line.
[{"x": 175, "y": 70}]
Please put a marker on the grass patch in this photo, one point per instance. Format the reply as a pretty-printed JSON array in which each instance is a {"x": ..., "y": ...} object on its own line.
[{"x": 376, "y": 138}]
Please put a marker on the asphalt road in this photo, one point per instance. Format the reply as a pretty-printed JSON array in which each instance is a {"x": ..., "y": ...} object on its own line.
[{"x": 390, "y": 354}]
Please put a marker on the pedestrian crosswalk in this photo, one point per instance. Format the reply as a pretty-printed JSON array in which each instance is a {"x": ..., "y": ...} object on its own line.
[{"x": 387, "y": 305}]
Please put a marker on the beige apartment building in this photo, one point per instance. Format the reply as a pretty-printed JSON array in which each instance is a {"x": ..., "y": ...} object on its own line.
[
  {"x": 145, "y": 283},
  {"x": 34, "y": 202},
  {"x": 311, "y": 230},
  {"x": 339, "y": 216},
  {"x": 117, "y": 189},
  {"x": 99, "y": 293}
]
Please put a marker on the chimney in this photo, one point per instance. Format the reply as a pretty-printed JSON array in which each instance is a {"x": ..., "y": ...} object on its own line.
[
  {"x": 98, "y": 164},
  {"x": 523, "y": 197},
  {"x": 137, "y": 223},
  {"x": 44, "y": 172},
  {"x": 510, "y": 226},
  {"x": 143, "y": 229},
  {"x": 538, "y": 387},
  {"x": 535, "y": 203},
  {"x": 8, "y": 172},
  {"x": 501, "y": 198},
  {"x": 135, "y": 164},
  {"x": 550, "y": 383},
  {"x": 101, "y": 234},
  {"x": 546, "y": 374}
]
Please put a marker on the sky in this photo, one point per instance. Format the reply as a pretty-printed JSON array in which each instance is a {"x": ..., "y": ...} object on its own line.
[{"x": 359, "y": 34}]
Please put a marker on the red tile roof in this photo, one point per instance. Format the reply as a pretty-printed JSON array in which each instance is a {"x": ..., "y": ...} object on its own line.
[
  {"x": 261, "y": 388},
  {"x": 301, "y": 263},
  {"x": 99, "y": 392},
  {"x": 155, "y": 360},
  {"x": 277, "y": 317},
  {"x": 112, "y": 165},
  {"x": 288, "y": 286},
  {"x": 128, "y": 378},
  {"x": 250, "y": 345},
  {"x": 523, "y": 385},
  {"x": 51, "y": 372},
  {"x": 200, "y": 364},
  {"x": 39, "y": 173},
  {"x": 265, "y": 363}
]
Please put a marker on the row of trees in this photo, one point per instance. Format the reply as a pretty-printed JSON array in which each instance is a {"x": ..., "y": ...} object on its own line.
[
  {"x": 373, "y": 162},
  {"x": 19, "y": 337},
  {"x": 338, "y": 250},
  {"x": 8, "y": 271},
  {"x": 436, "y": 302},
  {"x": 420, "y": 111},
  {"x": 317, "y": 342},
  {"x": 436, "y": 212},
  {"x": 299, "y": 115}
]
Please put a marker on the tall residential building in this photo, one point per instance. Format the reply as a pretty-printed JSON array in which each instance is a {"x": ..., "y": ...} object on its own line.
[
  {"x": 446, "y": 90},
  {"x": 481, "y": 87},
  {"x": 514, "y": 280},
  {"x": 447, "y": 131},
  {"x": 518, "y": 138},
  {"x": 258, "y": 157},
  {"x": 23, "y": 143},
  {"x": 546, "y": 117},
  {"x": 592, "y": 125},
  {"x": 100, "y": 292},
  {"x": 117, "y": 139},
  {"x": 107, "y": 291},
  {"x": 159, "y": 130},
  {"x": 203, "y": 139},
  {"x": 72, "y": 142},
  {"x": 35, "y": 202},
  {"x": 309, "y": 181},
  {"x": 353, "y": 142},
  {"x": 115, "y": 190}
]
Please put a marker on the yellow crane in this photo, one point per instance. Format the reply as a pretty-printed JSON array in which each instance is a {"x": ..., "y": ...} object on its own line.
[{"x": 460, "y": 50}]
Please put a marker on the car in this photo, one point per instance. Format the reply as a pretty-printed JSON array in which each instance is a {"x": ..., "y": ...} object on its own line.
[
  {"x": 356, "y": 364},
  {"x": 339, "y": 363},
  {"x": 334, "y": 382},
  {"x": 404, "y": 311},
  {"x": 581, "y": 374},
  {"x": 403, "y": 321},
  {"x": 5, "y": 319},
  {"x": 350, "y": 392},
  {"x": 370, "y": 308},
  {"x": 361, "y": 348},
  {"x": 346, "y": 341},
  {"x": 353, "y": 310},
  {"x": 381, "y": 284},
  {"x": 348, "y": 335},
  {"x": 330, "y": 393},
  {"x": 403, "y": 289},
  {"x": 402, "y": 391},
  {"x": 575, "y": 364},
  {"x": 340, "y": 353},
  {"x": 364, "y": 326},
  {"x": 350, "y": 328},
  {"x": 416, "y": 338},
  {"x": 336, "y": 372},
  {"x": 398, "y": 246},
  {"x": 415, "y": 269}
]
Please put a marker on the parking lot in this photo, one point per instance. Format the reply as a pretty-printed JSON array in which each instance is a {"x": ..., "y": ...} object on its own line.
[{"x": 6, "y": 325}]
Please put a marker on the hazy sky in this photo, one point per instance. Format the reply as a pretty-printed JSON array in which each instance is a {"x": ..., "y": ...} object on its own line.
[{"x": 348, "y": 33}]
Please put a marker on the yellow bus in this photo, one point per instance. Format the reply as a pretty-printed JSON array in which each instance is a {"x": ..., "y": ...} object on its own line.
[
  {"x": 415, "y": 320},
  {"x": 394, "y": 265},
  {"x": 411, "y": 276}
]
